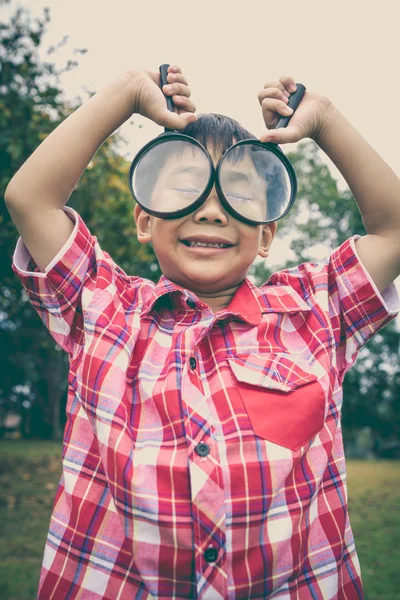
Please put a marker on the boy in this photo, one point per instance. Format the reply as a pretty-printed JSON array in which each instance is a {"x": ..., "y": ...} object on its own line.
[{"x": 203, "y": 454}]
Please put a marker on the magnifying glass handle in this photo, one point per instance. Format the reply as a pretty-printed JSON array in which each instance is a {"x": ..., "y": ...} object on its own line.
[
  {"x": 163, "y": 77},
  {"x": 163, "y": 81},
  {"x": 294, "y": 101}
]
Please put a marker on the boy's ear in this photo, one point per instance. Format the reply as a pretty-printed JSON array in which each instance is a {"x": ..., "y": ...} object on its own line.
[
  {"x": 267, "y": 236},
  {"x": 143, "y": 228}
]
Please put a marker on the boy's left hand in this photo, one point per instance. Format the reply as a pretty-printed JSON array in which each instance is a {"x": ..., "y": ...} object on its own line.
[{"x": 307, "y": 119}]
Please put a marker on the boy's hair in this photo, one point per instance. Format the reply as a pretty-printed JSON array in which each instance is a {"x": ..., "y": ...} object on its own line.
[{"x": 220, "y": 130}]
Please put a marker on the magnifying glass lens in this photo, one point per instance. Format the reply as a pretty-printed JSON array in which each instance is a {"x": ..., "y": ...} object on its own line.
[
  {"x": 255, "y": 183},
  {"x": 170, "y": 176}
]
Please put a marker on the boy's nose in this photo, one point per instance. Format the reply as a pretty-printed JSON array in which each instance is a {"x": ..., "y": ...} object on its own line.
[{"x": 211, "y": 210}]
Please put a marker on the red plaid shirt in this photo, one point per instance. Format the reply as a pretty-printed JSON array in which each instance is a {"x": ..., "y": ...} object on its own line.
[{"x": 203, "y": 454}]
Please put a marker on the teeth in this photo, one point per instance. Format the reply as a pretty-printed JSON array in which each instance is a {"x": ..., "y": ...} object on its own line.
[{"x": 204, "y": 245}]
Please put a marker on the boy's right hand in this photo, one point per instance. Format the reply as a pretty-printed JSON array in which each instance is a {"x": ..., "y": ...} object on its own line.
[{"x": 150, "y": 102}]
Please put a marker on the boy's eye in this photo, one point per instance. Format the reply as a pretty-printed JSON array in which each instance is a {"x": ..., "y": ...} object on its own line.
[
  {"x": 242, "y": 197},
  {"x": 186, "y": 190}
]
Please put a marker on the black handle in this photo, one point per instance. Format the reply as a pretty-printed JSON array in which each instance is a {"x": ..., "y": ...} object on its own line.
[
  {"x": 163, "y": 78},
  {"x": 294, "y": 101}
]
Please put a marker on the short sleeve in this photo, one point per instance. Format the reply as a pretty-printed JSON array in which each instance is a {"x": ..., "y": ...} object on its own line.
[
  {"x": 357, "y": 309},
  {"x": 56, "y": 294}
]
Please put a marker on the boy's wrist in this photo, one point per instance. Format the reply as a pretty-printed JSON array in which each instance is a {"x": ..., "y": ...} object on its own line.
[
  {"x": 330, "y": 116},
  {"x": 136, "y": 79}
]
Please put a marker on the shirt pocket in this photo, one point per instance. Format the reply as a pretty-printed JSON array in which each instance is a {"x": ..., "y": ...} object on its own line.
[{"x": 285, "y": 402}]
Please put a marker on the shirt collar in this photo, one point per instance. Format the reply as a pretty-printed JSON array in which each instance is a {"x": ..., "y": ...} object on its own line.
[{"x": 249, "y": 302}]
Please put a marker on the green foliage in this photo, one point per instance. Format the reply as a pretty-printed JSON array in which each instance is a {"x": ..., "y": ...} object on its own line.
[
  {"x": 32, "y": 104},
  {"x": 29, "y": 109},
  {"x": 371, "y": 396}
]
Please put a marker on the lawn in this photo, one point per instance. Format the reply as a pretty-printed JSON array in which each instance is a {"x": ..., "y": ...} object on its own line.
[{"x": 25, "y": 507}]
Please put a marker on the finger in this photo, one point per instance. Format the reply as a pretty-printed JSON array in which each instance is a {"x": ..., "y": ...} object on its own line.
[
  {"x": 184, "y": 103},
  {"x": 278, "y": 85},
  {"x": 271, "y": 107},
  {"x": 176, "y": 77},
  {"x": 283, "y": 135},
  {"x": 272, "y": 93},
  {"x": 274, "y": 84},
  {"x": 173, "y": 120},
  {"x": 174, "y": 69},
  {"x": 178, "y": 89},
  {"x": 289, "y": 83}
]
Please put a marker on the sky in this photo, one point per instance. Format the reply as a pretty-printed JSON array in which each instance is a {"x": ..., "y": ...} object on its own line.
[{"x": 347, "y": 51}]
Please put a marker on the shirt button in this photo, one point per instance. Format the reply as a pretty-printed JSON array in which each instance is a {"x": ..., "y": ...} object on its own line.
[
  {"x": 190, "y": 303},
  {"x": 210, "y": 554},
  {"x": 192, "y": 362},
  {"x": 202, "y": 449}
]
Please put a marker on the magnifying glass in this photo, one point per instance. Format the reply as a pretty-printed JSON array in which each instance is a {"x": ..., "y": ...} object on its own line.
[{"x": 173, "y": 174}]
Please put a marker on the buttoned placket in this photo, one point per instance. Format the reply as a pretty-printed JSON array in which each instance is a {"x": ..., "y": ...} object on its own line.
[{"x": 206, "y": 475}]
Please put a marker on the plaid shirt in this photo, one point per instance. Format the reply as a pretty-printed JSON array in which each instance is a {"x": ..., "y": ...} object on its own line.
[{"x": 203, "y": 454}]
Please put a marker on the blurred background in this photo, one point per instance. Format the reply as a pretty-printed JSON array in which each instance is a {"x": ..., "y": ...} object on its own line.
[{"x": 53, "y": 57}]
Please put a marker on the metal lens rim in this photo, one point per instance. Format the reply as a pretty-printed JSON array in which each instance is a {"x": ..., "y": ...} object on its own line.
[
  {"x": 281, "y": 156},
  {"x": 161, "y": 139}
]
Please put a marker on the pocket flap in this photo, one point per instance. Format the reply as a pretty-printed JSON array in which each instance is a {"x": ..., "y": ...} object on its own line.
[{"x": 277, "y": 371}]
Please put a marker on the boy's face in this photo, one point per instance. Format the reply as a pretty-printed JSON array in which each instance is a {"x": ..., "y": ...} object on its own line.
[{"x": 205, "y": 270}]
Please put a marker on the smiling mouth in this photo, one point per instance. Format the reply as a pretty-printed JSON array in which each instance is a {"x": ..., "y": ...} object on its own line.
[
  {"x": 204, "y": 250},
  {"x": 190, "y": 244}
]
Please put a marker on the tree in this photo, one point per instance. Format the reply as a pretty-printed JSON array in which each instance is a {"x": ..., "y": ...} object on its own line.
[{"x": 32, "y": 104}]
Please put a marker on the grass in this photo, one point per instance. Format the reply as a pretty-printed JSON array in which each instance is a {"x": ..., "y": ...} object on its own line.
[
  {"x": 29, "y": 475},
  {"x": 30, "y": 448},
  {"x": 374, "y": 507},
  {"x": 30, "y": 471}
]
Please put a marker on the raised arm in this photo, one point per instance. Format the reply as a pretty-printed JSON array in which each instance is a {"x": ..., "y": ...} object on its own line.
[
  {"x": 376, "y": 188},
  {"x": 36, "y": 195}
]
